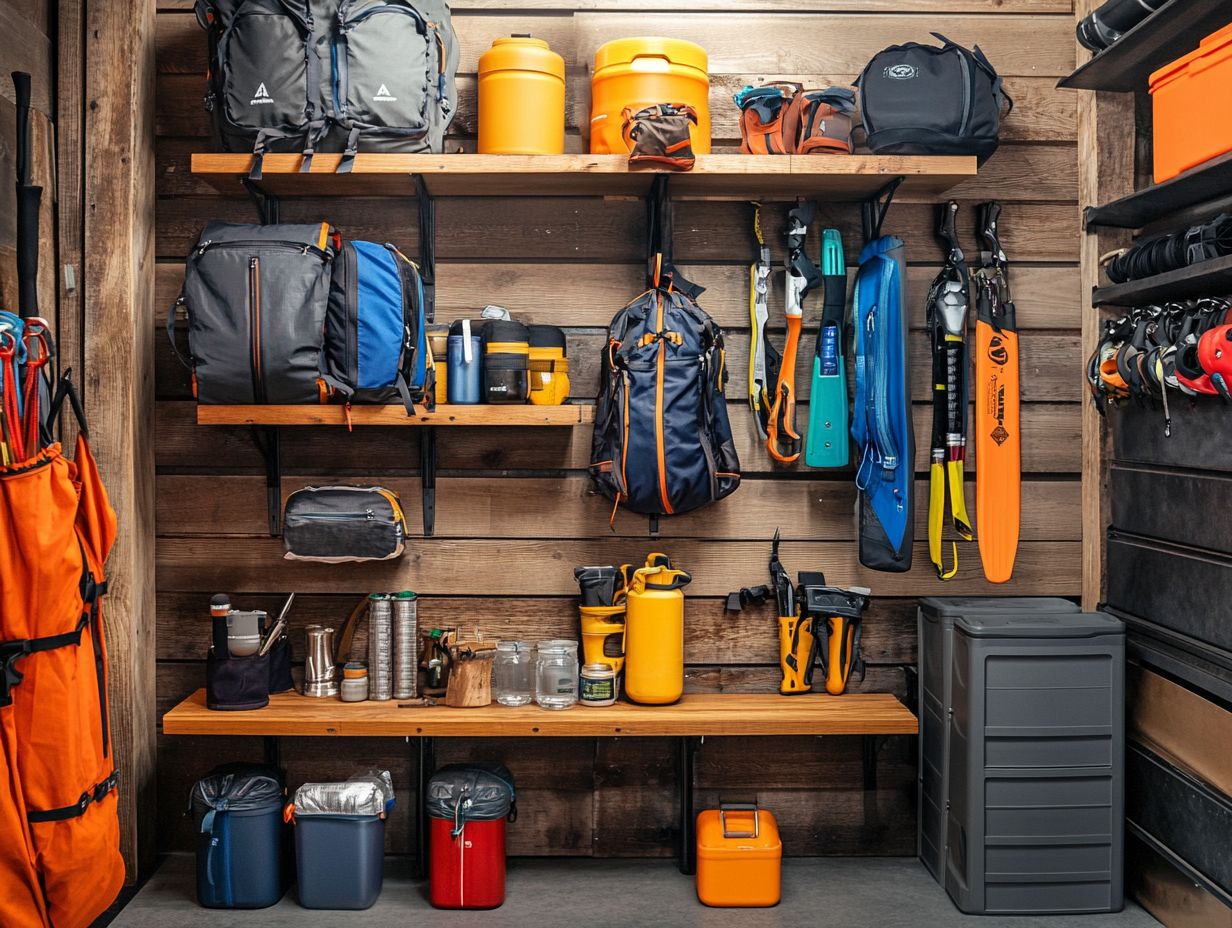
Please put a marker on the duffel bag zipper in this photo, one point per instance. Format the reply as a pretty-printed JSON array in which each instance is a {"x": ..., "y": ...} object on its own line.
[
  {"x": 304, "y": 248},
  {"x": 966, "y": 115},
  {"x": 367, "y": 515},
  {"x": 254, "y": 327},
  {"x": 660, "y": 441}
]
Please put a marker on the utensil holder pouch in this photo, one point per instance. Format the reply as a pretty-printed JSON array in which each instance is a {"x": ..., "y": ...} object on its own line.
[
  {"x": 279, "y": 657},
  {"x": 234, "y": 683}
]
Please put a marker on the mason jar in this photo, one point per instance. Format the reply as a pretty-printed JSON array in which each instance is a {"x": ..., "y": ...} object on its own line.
[
  {"x": 513, "y": 675},
  {"x": 556, "y": 674}
]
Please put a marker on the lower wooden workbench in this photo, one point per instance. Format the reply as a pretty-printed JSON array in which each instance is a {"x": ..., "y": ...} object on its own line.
[{"x": 690, "y": 720}]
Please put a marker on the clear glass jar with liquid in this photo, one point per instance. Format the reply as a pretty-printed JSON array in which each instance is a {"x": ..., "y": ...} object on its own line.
[
  {"x": 513, "y": 674},
  {"x": 556, "y": 674}
]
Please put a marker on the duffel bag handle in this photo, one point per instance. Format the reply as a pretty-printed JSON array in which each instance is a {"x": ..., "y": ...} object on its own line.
[{"x": 172, "y": 315}]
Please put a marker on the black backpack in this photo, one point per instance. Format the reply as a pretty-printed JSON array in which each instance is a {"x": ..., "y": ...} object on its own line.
[
  {"x": 256, "y": 298},
  {"x": 924, "y": 100},
  {"x": 329, "y": 75}
]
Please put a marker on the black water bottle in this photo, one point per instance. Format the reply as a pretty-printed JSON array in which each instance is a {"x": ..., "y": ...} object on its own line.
[
  {"x": 220, "y": 608},
  {"x": 1112, "y": 20}
]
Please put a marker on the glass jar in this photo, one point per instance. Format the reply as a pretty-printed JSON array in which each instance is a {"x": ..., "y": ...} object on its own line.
[
  {"x": 513, "y": 675},
  {"x": 556, "y": 674}
]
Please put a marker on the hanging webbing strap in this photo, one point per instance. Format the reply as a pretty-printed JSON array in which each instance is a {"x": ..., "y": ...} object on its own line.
[
  {"x": 96, "y": 793},
  {"x": 759, "y": 318},
  {"x": 948, "y": 304},
  {"x": 660, "y": 270}
]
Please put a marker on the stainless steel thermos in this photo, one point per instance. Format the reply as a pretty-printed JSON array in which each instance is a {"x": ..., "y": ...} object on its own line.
[{"x": 320, "y": 674}]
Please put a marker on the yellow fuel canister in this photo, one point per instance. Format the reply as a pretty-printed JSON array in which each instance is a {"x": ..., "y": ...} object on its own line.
[
  {"x": 654, "y": 633},
  {"x": 521, "y": 98},
  {"x": 639, "y": 72}
]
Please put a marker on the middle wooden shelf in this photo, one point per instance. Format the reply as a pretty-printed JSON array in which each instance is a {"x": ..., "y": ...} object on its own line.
[{"x": 476, "y": 415}]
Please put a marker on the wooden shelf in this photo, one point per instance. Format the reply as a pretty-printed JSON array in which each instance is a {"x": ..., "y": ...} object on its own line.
[
  {"x": 1170, "y": 32},
  {"x": 289, "y": 714},
  {"x": 1210, "y": 278},
  {"x": 850, "y": 177},
  {"x": 480, "y": 415},
  {"x": 1198, "y": 185}
]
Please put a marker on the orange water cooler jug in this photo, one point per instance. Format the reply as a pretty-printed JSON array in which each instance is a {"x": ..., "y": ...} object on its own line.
[
  {"x": 654, "y": 633},
  {"x": 521, "y": 98},
  {"x": 638, "y": 72}
]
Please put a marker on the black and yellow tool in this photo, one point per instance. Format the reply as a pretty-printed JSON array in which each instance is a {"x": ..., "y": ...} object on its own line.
[
  {"x": 815, "y": 621},
  {"x": 835, "y": 616},
  {"x": 949, "y": 299}
]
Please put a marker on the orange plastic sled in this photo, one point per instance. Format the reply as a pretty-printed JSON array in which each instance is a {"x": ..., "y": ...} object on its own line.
[{"x": 60, "y": 862}]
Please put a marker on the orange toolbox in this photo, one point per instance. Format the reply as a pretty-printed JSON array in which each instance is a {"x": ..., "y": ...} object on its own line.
[
  {"x": 739, "y": 856},
  {"x": 1191, "y": 101}
]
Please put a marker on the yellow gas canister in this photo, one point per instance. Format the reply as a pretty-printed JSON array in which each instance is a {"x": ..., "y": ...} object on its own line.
[
  {"x": 639, "y": 72},
  {"x": 654, "y": 633},
  {"x": 521, "y": 98},
  {"x": 438, "y": 343},
  {"x": 739, "y": 856}
]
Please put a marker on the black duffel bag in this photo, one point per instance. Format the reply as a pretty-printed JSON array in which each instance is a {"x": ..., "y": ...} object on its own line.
[{"x": 928, "y": 100}]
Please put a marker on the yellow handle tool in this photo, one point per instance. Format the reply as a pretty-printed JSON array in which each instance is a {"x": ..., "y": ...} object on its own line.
[
  {"x": 797, "y": 651},
  {"x": 842, "y": 652}
]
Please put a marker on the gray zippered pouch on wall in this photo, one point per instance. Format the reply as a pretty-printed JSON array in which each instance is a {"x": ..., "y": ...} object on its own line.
[{"x": 340, "y": 524}]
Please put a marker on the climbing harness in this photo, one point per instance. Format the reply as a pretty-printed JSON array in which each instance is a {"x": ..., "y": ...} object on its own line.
[
  {"x": 782, "y": 440},
  {"x": 998, "y": 478},
  {"x": 948, "y": 302},
  {"x": 759, "y": 317},
  {"x": 826, "y": 441}
]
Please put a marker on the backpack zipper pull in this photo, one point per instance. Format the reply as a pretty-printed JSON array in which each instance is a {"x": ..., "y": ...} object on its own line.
[{"x": 203, "y": 246}]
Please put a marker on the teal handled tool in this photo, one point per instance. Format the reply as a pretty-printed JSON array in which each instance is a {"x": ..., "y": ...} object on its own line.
[{"x": 827, "y": 443}]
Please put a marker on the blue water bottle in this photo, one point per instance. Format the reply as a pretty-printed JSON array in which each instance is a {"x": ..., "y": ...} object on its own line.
[{"x": 465, "y": 364}]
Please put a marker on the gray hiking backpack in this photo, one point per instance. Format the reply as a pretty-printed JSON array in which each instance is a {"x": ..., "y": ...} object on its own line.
[{"x": 329, "y": 75}]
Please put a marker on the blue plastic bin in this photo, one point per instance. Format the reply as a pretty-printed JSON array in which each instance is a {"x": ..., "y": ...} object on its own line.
[{"x": 237, "y": 812}]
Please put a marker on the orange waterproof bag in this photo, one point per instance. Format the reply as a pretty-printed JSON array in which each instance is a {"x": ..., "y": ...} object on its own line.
[{"x": 60, "y": 862}]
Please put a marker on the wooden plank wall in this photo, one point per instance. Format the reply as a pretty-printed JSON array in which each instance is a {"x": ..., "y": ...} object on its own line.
[{"x": 515, "y": 512}]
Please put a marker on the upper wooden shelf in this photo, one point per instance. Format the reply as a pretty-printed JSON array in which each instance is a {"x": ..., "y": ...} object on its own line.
[
  {"x": 289, "y": 714},
  {"x": 1209, "y": 181},
  {"x": 1209, "y": 278},
  {"x": 1170, "y": 32},
  {"x": 849, "y": 177},
  {"x": 395, "y": 415}
]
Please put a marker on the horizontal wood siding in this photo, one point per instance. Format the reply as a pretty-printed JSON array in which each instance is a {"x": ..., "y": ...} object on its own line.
[{"x": 515, "y": 512}]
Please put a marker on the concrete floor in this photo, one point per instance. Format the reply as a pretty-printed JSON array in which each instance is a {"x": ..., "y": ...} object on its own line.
[{"x": 825, "y": 893}]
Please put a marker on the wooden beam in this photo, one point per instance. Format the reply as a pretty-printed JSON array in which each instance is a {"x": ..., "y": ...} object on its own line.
[
  {"x": 118, "y": 277},
  {"x": 694, "y": 715},
  {"x": 1106, "y": 172},
  {"x": 396, "y": 415},
  {"x": 70, "y": 192}
]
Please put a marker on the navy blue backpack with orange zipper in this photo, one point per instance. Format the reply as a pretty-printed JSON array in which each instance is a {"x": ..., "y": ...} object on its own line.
[{"x": 662, "y": 442}]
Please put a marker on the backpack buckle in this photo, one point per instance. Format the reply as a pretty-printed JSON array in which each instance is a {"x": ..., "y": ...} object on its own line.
[{"x": 10, "y": 653}]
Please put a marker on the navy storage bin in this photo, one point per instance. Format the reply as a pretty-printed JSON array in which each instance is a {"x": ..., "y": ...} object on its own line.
[
  {"x": 340, "y": 860},
  {"x": 237, "y": 811}
]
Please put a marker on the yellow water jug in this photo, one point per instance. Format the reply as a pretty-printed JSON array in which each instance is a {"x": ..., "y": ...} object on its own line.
[
  {"x": 654, "y": 633},
  {"x": 521, "y": 98},
  {"x": 639, "y": 72}
]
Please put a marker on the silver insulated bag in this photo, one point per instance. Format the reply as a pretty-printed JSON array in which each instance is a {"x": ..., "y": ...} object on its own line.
[
  {"x": 329, "y": 75},
  {"x": 256, "y": 298}
]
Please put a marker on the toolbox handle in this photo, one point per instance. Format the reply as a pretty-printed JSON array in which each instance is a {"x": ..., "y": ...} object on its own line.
[{"x": 725, "y": 807}]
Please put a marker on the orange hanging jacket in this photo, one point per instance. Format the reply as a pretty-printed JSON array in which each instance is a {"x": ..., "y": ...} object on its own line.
[{"x": 60, "y": 862}]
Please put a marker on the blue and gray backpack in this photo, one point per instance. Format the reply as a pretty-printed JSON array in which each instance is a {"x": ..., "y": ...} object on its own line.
[{"x": 375, "y": 343}]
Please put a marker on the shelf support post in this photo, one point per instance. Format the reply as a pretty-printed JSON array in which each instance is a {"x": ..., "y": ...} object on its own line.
[
  {"x": 425, "y": 762},
  {"x": 687, "y": 748},
  {"x": 427, "y": 474},
  {"x": 267, "y": 205},
  {"x": 269, "y": 442},
  {"x": 427, "y": 244}
]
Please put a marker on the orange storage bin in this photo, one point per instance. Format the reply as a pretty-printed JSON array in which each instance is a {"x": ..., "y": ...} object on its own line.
[
  {"x": 521, "y": 98},
  {"x": 638, "y": 72},
  {"x": 1191, "y": 100},
  {"x": 739, "y": 857}
]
